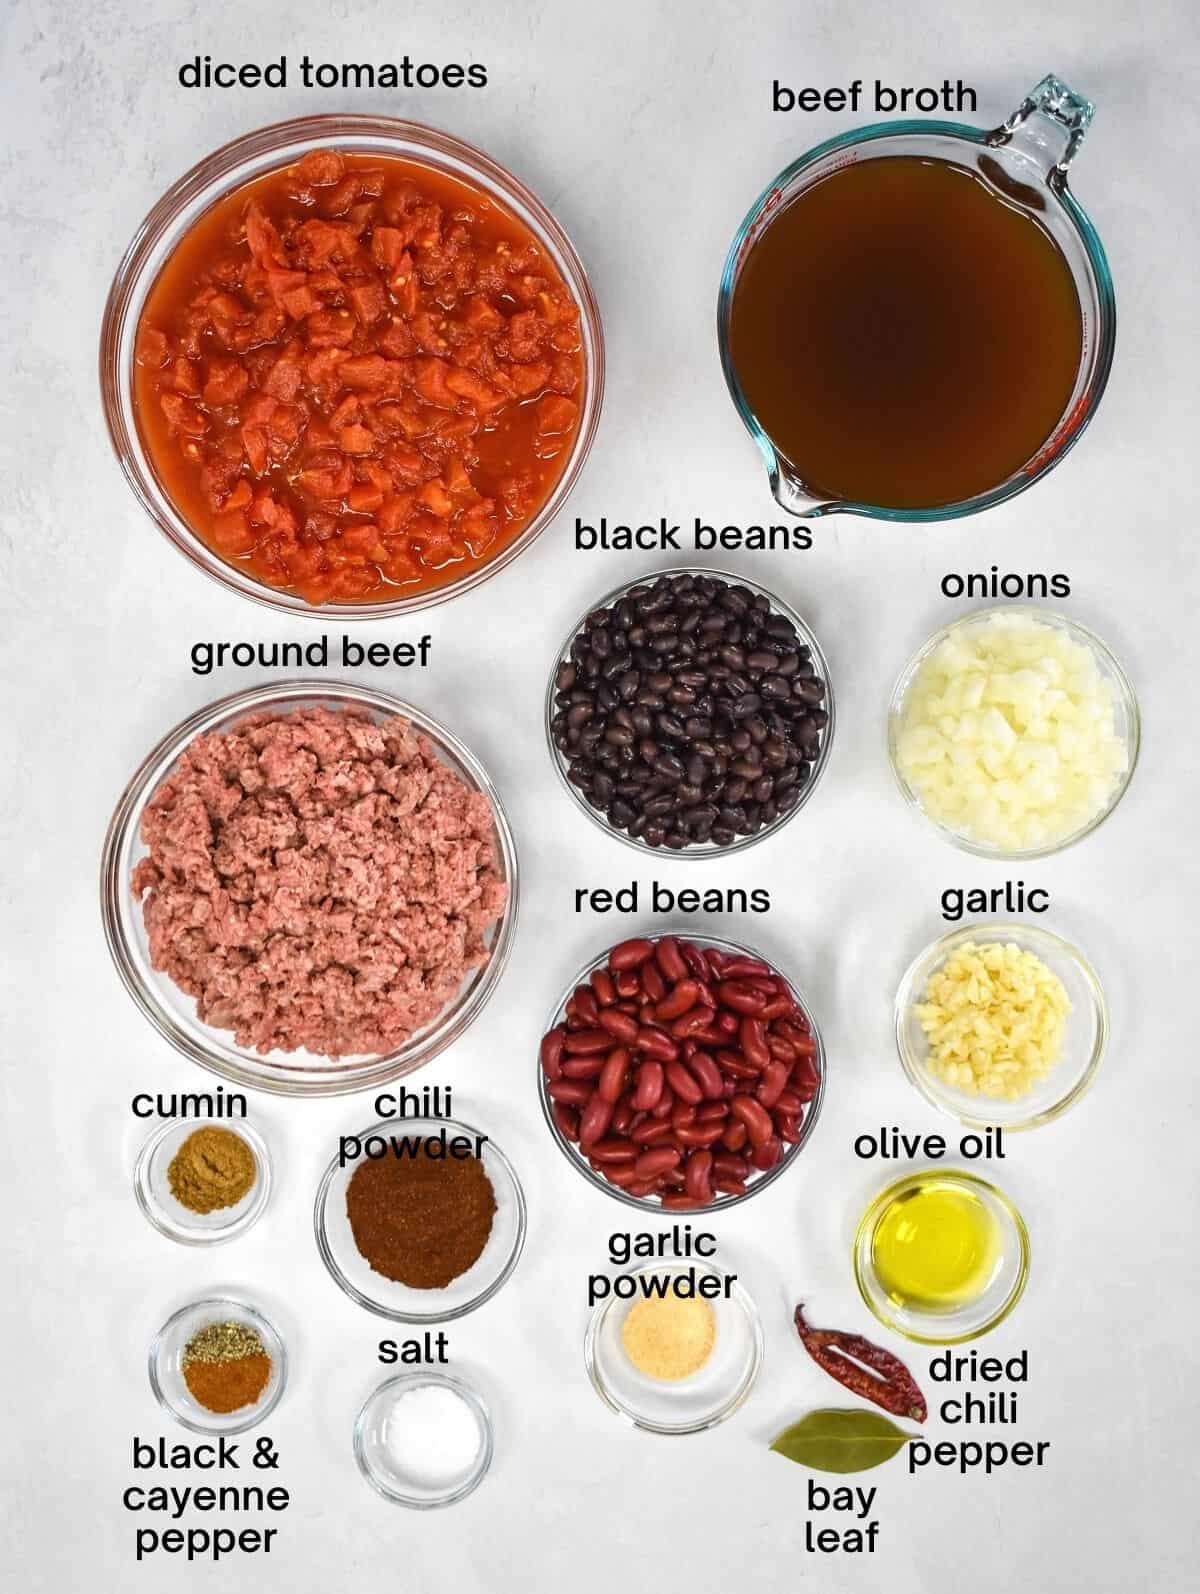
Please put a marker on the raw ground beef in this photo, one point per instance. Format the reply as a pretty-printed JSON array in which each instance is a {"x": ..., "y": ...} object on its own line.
[{"x": 317, "y": 880}]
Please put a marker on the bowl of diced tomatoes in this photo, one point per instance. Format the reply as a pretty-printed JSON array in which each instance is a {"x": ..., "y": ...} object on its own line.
[{"x": 351, "y": 363}]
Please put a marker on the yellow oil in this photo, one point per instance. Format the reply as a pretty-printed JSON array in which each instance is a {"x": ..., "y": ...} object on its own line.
[{"x": 935, "y": 1247}]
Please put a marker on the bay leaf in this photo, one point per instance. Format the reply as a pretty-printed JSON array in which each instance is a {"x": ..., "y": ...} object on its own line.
[{"x": 841, "y": 1441}]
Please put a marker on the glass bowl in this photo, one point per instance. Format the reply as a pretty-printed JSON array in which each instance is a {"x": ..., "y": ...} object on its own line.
[
  {"x": 969, "y": 1321},
  {"x": 381, "y": 1470},
  {"x": 173, "y": 1013},
  {"x": 169, "y": 1215},
  {"x": 709, "y": 1395},
  {"x": 1126, "y": 717},
  {"x": 1027, "y": 158},
  {"x": 237, "y": 163},
  {"x": 1084, "y": 1043},
  {"x": 706, "y": 849},
  {"x": 351, "y": 1271},
  {"x": 759, "y": 1181},
  {"x": 166, "y": 1369}
]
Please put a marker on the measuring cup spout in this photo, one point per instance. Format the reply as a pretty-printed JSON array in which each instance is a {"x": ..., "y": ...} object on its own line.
[
  {"x": 1047, "y": 128},
  {"x": 791, "y": 493}
]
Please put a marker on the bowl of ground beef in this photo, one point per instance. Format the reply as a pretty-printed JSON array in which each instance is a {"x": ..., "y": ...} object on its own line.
[{"x": 310, "y": 888}]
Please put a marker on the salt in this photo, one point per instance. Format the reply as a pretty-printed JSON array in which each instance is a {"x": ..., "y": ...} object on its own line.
[{"x": 432, "y": 1437}]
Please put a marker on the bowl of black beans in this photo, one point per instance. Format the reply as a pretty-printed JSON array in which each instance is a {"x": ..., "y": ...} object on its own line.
[{"x": 690, "y": 713}]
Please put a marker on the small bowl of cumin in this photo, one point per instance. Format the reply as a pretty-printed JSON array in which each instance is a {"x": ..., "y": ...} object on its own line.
[{"x": 201, "y": 1182}]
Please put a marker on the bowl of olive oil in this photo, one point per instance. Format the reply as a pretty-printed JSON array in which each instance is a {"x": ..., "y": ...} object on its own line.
[{"x": 941, "y": 1256}]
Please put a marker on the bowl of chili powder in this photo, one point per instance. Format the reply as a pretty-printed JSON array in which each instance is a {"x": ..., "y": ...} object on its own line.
[{"x": 424, "y": 1223}]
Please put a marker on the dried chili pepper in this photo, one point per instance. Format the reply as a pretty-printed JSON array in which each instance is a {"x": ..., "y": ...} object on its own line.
[{"x": 882, "y": 1378}]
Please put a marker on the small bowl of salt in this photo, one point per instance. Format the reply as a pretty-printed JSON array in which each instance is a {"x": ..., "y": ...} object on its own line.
[{"x": 423, "y": 1440}]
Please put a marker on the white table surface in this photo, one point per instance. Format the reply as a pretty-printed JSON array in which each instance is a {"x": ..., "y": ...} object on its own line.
[{"x": 647, "y": 129}]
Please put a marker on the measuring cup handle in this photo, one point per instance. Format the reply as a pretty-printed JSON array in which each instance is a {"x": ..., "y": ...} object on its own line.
[{"x": 1048, "y": 126}]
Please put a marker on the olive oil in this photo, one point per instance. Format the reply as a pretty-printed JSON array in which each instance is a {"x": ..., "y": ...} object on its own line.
[
  {"x": 935, "y": 1247},
  {"x": 906, "y": 335}
]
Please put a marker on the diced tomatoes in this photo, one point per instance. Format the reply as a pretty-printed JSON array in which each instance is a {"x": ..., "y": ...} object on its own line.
[
  {"x": 226, "y": 382},
  {"x": 355, "y": 376}
]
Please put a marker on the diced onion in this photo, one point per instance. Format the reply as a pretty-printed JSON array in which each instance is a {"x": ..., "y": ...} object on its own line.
[{"x": 1008, "y": 734}]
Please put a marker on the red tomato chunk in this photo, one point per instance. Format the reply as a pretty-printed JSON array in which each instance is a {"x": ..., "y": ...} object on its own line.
[{"x": 358, "y": 375}]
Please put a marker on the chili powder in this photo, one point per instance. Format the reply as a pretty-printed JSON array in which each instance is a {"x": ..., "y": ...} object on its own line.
[{"x": 421, "y": 1219}]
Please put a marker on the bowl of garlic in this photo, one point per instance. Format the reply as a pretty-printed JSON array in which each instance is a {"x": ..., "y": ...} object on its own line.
[
  {"x": 1001, "y": 1025},
  {"x": 1015, "y": 731}
]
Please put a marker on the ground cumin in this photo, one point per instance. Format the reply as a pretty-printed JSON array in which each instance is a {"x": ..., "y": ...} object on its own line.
[
  {"x": 421, "y": 1220},
  {"x": 213, "y": 1168}
]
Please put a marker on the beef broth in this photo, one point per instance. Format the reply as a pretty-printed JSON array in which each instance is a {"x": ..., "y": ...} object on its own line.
[{"x": 905, "y": 335}]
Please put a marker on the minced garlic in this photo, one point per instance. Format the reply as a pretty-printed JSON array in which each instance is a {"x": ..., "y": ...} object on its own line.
[
  {"x": 995, "y": 1018},
  {"x": 1008, "y": 735}
]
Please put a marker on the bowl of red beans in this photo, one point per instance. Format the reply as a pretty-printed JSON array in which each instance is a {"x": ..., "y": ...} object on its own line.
[
  {"x": 681, "y": 1072},
  {"x": 351, "y": 363}
]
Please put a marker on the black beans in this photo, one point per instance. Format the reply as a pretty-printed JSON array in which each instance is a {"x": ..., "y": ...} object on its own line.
[{"x": 689, "y": 713}]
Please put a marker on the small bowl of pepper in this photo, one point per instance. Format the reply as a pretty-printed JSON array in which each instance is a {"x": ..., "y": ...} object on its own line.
[
  {"x": 200, "y": 1182},
  {"x": 218, "y": 1366},
  {"x": 420, "y": 1220}
]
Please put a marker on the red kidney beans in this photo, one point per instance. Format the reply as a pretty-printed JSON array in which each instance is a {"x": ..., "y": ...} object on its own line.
[
  {"x": 684, "y": 996},
  {"x": 581, "y": 1042},
  {"x": 613, "y": 1151},
  {"x": 734, "y": 1135},
  {"x": 684, "y": 1073},
  {"x": 586, "y": 1005},
  {"x": 570, "y": 1092},
  {"x": 649, "y": 1086},
  {"x": 651, "y": 1131},
  {"x": 567, "y": 1120},
  {"x": 707, "y": 1075},
  {"x": 684, "y": 1084},
  {"x": 622, "y": 1026},
  {"x": 552, "y": 1051},
  {"x": 594, "y": 1120},
  {"x": 670, "y": 959},
  {"x": 656, "y": 1161},
  {"x": 771, "y": 1086},
  {"x": 583, "y": 1067},
  {"x": 602, "y": 984},
  {"x": 755, "y": 1117},
  {"x": 698, "y": 1176},
  {"x": 630, "y": 955},
  {"x": 612, "y": 1076}
]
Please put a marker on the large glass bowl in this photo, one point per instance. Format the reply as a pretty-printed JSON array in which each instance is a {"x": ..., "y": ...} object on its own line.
[
  {"x": 230, "y": 167},
  {"x": 173, "y": 1013},
  {"x": 707, "y": 849},
  {"x": 758, "y": 1181},
  {"x": 1084, "y": 1043},
  {"x": 1125, "y": 708}
]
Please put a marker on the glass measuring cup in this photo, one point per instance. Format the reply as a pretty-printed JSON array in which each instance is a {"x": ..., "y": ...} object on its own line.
[{"x": 1026, "y": 161}]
